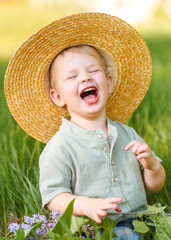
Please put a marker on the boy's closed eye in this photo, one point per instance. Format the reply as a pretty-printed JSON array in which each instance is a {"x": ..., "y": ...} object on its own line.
[
  {"x": 71, "y": 77},
  {"x": 94, "y": 70}
]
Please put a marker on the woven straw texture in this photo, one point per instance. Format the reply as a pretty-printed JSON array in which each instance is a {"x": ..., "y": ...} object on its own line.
[{"x": 25, "y": 90}]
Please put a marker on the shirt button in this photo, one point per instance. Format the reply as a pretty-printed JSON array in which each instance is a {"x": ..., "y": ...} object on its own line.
[
  {"x": 104, "y": 148},
  {"x": 99, "y": 136},
  {"x": 112, "y": 162},
  {"x": 115, "y": 179}
]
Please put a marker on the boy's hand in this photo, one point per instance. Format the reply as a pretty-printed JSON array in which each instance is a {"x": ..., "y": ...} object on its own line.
[
  {"x": 143, "y": 153},
  {"x": 96, "y": 208}
]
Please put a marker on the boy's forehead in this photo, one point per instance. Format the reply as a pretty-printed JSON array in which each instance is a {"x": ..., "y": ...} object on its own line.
[
  {"x": 64, "y": 57},
  {"x": 74, "y": 51}
]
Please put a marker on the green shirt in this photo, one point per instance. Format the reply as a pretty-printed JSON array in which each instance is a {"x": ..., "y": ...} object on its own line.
[{"x": 81, "y": 162}]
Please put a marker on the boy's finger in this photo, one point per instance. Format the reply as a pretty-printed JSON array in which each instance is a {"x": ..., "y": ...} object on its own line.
[
  {"x": 101, "y": 213},
  {"x": 113, "y": 206},
  {"x": 113, "y": 199},
  {"x": 142, "y": 155},
  {"x": 130, "y": 145},
  {"x": 97, "y": 219},
  {"x": 135, "y": 149}
]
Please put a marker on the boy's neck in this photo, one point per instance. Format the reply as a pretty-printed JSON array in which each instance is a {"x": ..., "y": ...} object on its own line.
[{"x": 92, "y": 123}]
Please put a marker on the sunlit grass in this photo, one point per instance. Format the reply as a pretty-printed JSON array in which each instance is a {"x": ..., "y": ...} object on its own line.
[{"x": 152, "y": 119}]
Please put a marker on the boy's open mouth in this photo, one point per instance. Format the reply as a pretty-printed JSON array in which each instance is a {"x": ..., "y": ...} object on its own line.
[{"x": 89, "y": 95}]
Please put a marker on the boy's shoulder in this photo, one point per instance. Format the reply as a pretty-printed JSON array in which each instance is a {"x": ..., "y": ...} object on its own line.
[
  {"x": 125, "y": 132},
  {"x": 57, "y": 144},
  {"x": 122, "y": 127}
]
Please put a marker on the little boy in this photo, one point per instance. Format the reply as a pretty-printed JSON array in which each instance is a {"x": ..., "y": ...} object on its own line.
[
  {"x": 84, "y": 152},
  {"x": 101, "y": 163}
]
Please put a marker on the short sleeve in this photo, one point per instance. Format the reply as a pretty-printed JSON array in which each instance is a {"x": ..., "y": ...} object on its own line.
[{"x": 55, "y": 176}]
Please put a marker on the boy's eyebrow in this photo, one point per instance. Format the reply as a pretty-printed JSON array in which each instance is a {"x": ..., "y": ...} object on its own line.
[
  {"x": 73, "y": 70},
  {"x": 70, "y": 71},
  {"x": 94, "y": 65}
]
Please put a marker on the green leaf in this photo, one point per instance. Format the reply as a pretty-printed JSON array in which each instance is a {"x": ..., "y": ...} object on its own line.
[
  {"x": 140, "y": 227},
  {"x": 31, "y": 231},
  {"x": 53, "y": 236},
  {"x": 63, "y": 224},
  {"x": 109, "y": 223},
  {"x": 169, "y": 222},
  {"x": 91, "y": 222},
  {"x": 20, "y": 235},
  {"x": 154, "y": 209},
  {"x": 165, "y": 222},
  {"x": 76, "y": 223},
  {"x": 108, "y": 234},
  {"x": 95, "y": 226}
]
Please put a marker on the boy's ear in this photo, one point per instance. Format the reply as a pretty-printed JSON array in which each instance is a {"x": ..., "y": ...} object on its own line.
[
  {"x": 110, "y": 83},
  {"x": 56, "y": 98}
]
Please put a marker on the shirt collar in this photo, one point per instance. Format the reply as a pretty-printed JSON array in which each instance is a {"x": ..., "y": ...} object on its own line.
[{"x": 91, "y": 135}]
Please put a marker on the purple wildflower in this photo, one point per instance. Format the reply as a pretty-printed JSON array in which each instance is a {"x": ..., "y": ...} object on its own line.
[
  {"x": 55, "y": 215},
  {"x": 29, "y": 220},
  {"x": 90, "y": 230},
  {"x": 44, "y": 227},
  {"x": 35, "y": 216},
  {"x": 39, "y": 232},
  {"x": 50, "y": 225},
  {"x": 25, "y": 226},
  {"x": 42, "y": 218},
  {"x": 13, "y": 227}
]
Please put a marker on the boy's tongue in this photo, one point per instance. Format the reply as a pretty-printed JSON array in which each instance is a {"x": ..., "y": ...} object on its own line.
[{"x": 89, "y": 97}]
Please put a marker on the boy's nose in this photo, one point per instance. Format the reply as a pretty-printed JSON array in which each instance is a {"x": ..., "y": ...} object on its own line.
[{"x": 86, "y": 79}]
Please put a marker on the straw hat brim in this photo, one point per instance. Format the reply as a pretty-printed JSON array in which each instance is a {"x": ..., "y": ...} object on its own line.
[{"x": 25, "y": 89}]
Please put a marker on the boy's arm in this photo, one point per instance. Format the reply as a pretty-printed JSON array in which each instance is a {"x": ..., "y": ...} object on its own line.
[
  {"x": 94, "y": 208},
  {"x": 154, "y": 178},
  {"x": 154, "y": 173}
]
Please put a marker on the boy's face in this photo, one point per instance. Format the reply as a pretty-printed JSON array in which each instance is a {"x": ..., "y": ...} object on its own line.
[{"x": 80, "y": 83}]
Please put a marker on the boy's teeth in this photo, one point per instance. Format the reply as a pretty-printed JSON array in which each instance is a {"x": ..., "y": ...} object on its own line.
[
  {"x": 89, "y": 93},
  {"x": 89, "y": 89}
]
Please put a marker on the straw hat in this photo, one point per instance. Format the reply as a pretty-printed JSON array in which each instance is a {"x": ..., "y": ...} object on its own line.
[{"x": 25, "y": 89}]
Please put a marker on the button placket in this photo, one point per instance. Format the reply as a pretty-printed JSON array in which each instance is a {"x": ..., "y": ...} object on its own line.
[
  {"x": 114, "y": 170},
  {"x": 112, "y": 162},
  {"x": 103, "y": 142}
]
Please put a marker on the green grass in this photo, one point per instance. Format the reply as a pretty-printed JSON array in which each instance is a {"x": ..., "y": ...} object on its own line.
[
  {"x": 19, "y": 173},
  {"x": 153, "y": 117}
]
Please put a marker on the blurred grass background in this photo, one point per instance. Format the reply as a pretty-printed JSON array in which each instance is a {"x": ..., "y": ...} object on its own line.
[{"x": 19, "y": 153}]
